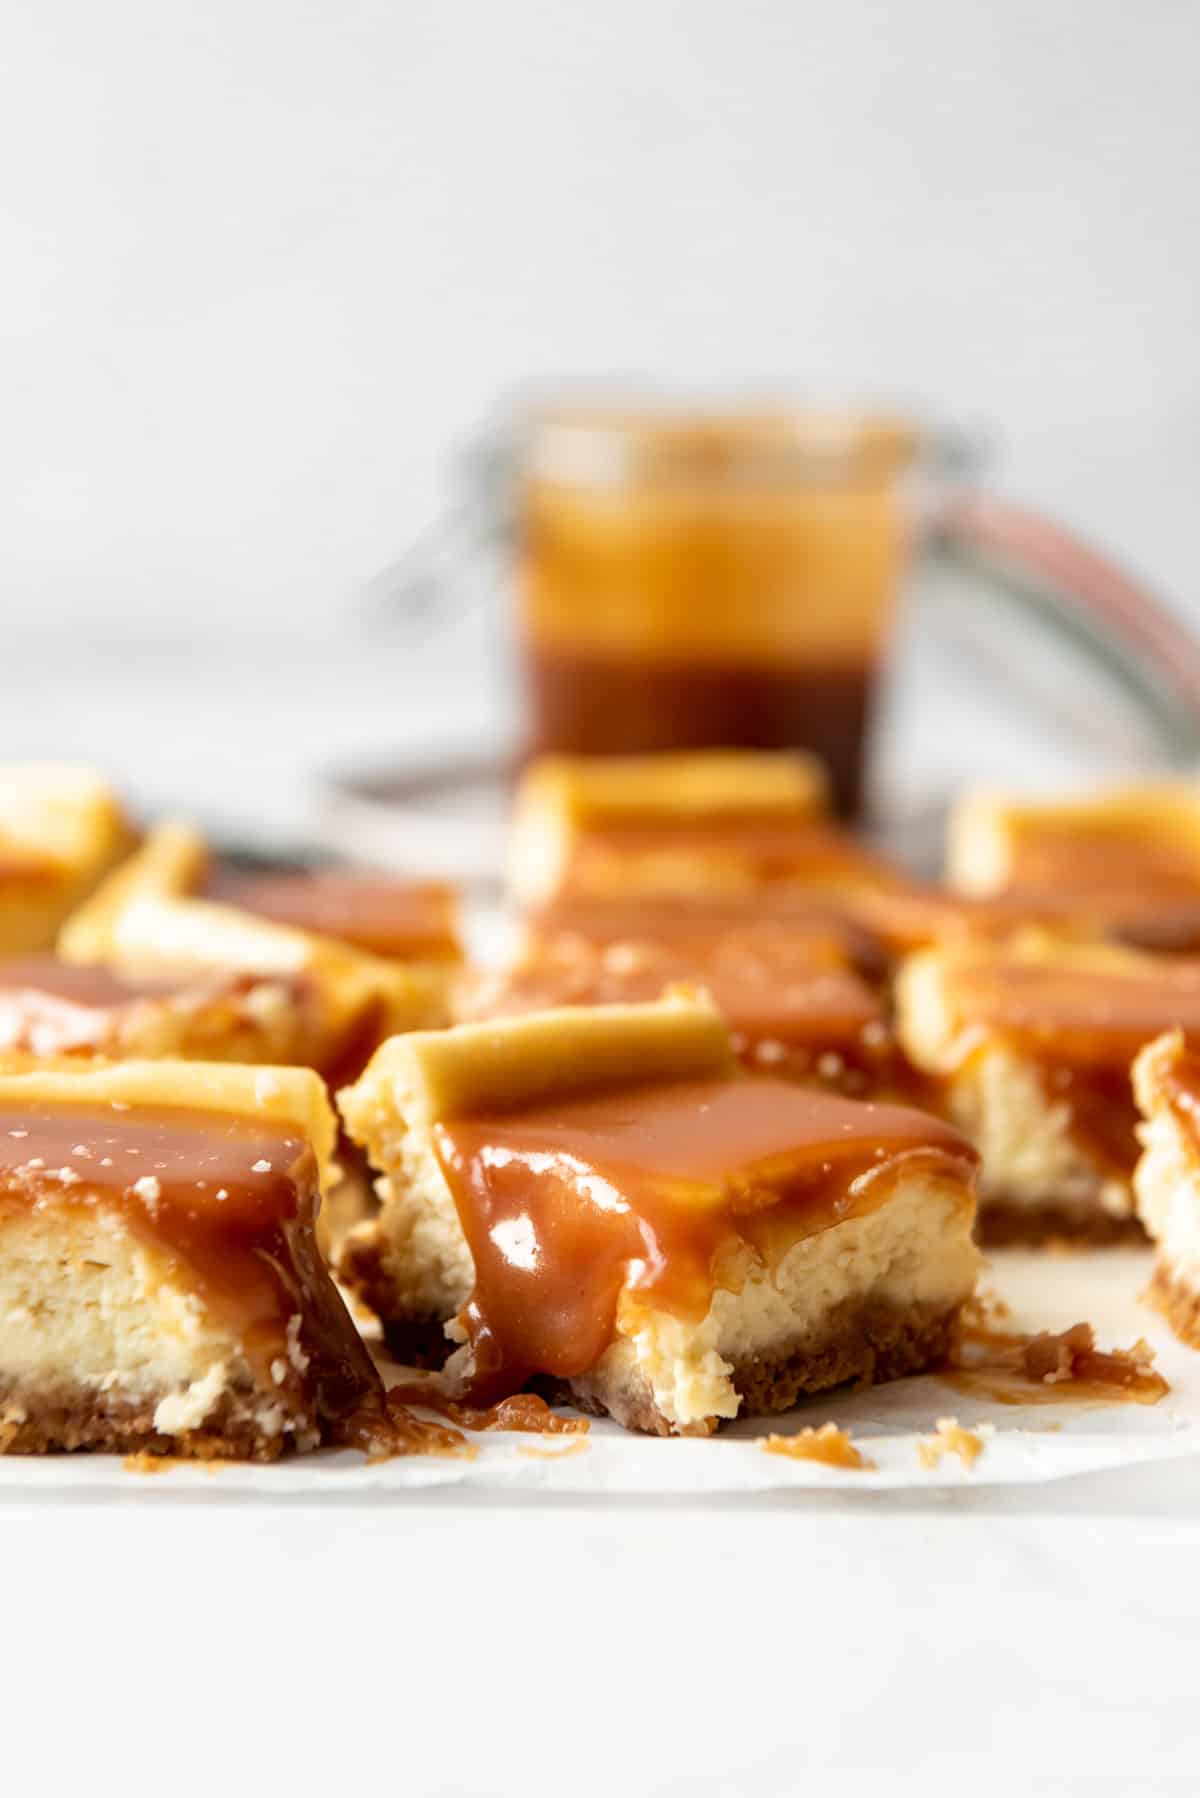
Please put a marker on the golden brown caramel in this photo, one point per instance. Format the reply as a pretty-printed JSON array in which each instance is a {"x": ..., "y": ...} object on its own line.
[
  {"x": 380, "y": 913},
  {"x": 760, "y": 851},
  {"x": 652, "y": 1190},
  {"x": 51, "y": 1007},
  {"x": 828, "y": 1445},
  {"x": 1079, "y": 1017},
  {"x": 521, "y": 1411},
  {"x": 230, "y": 1199},
  {"x": 1118, "y": 859},
  {"x": 792, "y": 1003}
]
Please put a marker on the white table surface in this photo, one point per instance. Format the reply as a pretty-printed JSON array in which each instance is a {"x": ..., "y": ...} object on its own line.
[{"x": 1027, "y": 1640}]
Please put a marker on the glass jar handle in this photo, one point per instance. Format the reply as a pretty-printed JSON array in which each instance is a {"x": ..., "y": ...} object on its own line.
[{"x": 1037, "y": 567}]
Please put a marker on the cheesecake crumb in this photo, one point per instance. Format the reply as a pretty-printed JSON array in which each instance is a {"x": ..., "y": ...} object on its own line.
[
  {"x": 952, "y": 1439},
  {"x": 829, "y": 1445}
]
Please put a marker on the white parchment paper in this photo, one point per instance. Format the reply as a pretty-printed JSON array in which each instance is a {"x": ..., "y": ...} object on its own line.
[{"x": 1030, "y": 1444}]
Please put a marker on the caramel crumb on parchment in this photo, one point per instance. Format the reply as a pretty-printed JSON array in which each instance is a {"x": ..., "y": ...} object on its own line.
[
  {"x": 829, "y": 1445},
  {"x": 579, "y": 1446},
  {"x": 1018, "y": 1367},
  {"x": 145, "y": 1462},
  {"x": 952, "y": 1439}
]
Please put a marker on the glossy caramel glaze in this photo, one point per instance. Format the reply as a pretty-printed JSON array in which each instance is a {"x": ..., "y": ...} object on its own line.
[
  {"x": 759, "y": 851},
  {"x": 655, "y": 1190},
  {"x": 697, "y": 924},
  {"x": 51, "y": 1007},
  {"x": 231, "y": 1200},
  {"x": 1151, "y": 860},
  {"x": 402, "y": 919},
  {"x": 791, "y": 1002}
]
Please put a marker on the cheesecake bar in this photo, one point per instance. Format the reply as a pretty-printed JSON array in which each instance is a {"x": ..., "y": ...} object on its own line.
[
  {"x": 709, "y": 821},
  {"x": 1033, "y": 1041},
  {"x": 349, "y": 1001},
  {"x": 61, "y": 830},
  {"x": 1123, "y": 863},
  {"x": 599, "y": 1201},
  {"x": 160, "y": 1284},
  {"x": 1166, "y": 1080},
  {"x": 795, "y": 1003},
  {"x": 382, "y": 914}
]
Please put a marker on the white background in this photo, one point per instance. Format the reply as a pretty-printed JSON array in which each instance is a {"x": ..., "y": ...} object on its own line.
[
  {"x": 267, "y": 264},
  {"x": 263, "y": 267}
]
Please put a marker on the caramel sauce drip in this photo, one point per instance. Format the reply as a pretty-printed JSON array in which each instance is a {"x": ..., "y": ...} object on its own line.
[
  {"x": 387, "y": 916},
  {"x": 521, "y": 1411},
  {"x": 658, "y": 1192},
  {"x": 230, "y": 1199},
  {"x": 1013, "y": 1367},
  {"x": 828, "y": 1445}
]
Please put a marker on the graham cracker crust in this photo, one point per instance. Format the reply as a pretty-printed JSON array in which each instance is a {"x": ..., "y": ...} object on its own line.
[
  {"x": 1179, "y": 1304},
  {"x": 1001, "y": 1224},
  {"x": 874, "y": 1344},
  {"x": 73, "y": 1418}
]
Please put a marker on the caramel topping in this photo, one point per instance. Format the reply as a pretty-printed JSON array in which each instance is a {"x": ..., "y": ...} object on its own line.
[
  {"x": 94, "y": 988},
  {"x": 763, "y": 849},
  {"x": 1098, "y": 860},
  {"x": 230, "y": 1199},
  {"x": 660, "y": 1192},
  {"x": 381, "y": 914},
  {"x": 1082, "y": 1017},
  {"x": 828, "y": 1445},
  {"x": 772, "y": 986},
  {"x": 52, "y": 1007}
]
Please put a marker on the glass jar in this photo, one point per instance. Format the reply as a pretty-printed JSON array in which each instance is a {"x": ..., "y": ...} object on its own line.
[{"x": 709, "y": 578}]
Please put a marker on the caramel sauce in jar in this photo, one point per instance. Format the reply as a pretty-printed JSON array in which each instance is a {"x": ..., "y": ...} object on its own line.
[
  {"x": 693, "y": 579},
  {"x": 656, "y": 1191}
]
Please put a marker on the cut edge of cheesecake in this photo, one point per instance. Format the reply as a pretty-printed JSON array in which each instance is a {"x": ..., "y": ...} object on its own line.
[
  {"x": 1037, "y": 1185},
  {"x": 1166, "y": 1183},
  {"x": 131, "y": 1358}
]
